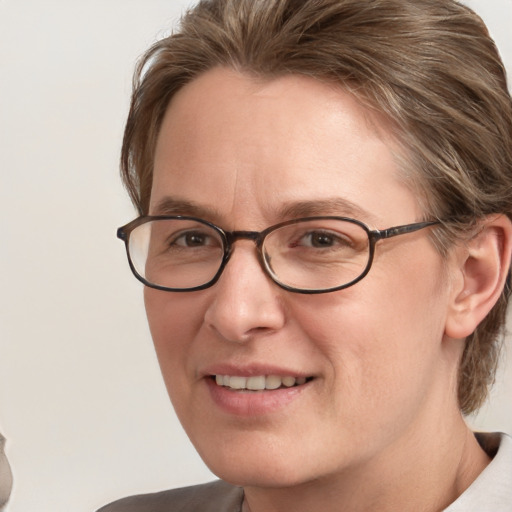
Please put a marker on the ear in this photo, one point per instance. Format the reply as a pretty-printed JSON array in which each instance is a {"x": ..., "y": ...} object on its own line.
[{"x": 482, "y": 268}]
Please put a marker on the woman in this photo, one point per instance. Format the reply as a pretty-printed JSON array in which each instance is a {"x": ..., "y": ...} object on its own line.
[{"x": 324, "y": 190}]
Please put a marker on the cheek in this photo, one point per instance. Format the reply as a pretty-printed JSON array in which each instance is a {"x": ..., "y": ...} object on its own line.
[
  {"x": 170, "y": 314},
  {"x": 382, "y": 339},
  {"x": 173, "y": 321}
]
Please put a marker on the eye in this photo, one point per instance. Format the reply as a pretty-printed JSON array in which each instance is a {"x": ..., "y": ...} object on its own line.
[
  {"x": 194, "y": 239},
  {"x": 322, "y": 240},
  {"x": 319, "y": 239}
]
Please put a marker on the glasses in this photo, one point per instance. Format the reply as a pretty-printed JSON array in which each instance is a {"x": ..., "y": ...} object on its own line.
[{"x": 308, "y": 255}]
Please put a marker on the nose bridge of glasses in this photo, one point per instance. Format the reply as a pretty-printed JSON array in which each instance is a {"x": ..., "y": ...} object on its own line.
[
  {"x": 233, "y": 236},
  {"x": 254, "y": 236}
]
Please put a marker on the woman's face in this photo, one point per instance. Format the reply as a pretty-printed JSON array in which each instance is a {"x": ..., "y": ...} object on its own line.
[{"x": 245, "y": 155}]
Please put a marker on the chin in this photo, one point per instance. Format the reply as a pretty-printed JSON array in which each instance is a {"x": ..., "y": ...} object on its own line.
[
  {"x": 260, "y": 465},
  {"x": 263, "y": 477}
]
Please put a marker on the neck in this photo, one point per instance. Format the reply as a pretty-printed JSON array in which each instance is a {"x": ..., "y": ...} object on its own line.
[{"x": 420, "y": 474}]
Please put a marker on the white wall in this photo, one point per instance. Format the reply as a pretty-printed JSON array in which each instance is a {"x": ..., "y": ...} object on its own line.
[{"x": 81, "y": 401}]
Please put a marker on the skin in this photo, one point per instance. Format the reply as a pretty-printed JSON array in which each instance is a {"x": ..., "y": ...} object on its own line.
[{"x": 378, "y": 426}]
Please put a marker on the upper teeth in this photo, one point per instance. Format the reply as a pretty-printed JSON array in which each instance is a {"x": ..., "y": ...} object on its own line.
[{"x": 259, "y": 382}]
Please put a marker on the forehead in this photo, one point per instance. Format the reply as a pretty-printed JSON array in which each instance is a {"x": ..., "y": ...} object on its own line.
[{"x": 236, "y": 144}]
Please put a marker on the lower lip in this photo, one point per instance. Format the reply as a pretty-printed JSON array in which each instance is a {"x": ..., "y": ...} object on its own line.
[{"x": 253, "y": 403}]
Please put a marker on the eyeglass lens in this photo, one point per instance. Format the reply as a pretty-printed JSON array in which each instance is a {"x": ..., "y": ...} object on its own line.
[{"x": 316, "y": 254}]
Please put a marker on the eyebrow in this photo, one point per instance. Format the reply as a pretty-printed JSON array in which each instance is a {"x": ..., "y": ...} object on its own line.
[
  {"x": 335, "y": 206},
  {"x": 176, "y": 206}
]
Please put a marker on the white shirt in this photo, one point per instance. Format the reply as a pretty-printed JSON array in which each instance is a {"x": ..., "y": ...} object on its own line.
[{"x": 492, "y": 490}]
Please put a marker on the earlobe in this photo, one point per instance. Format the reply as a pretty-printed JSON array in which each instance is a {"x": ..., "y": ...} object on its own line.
[{"x": 483, "y": 265}]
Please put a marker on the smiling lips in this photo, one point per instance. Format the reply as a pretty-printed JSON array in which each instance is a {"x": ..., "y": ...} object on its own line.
[
  {"x": 255, "y": 394},
  {"x": 258, "y": 382}
]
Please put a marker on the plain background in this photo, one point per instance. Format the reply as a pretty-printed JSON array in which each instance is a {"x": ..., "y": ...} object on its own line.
[{"x": 81, "y": 399}]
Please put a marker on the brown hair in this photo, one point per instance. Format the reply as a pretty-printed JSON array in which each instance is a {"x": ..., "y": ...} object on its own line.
[{"x": 428, "y": 65}]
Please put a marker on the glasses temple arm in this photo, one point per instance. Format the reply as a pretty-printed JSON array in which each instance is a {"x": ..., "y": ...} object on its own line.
[{"x": 401, "y": 230}]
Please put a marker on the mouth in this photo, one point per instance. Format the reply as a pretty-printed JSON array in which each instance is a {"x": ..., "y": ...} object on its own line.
[
  {"x": 259, "y": 382},
  {"x": 252, "y": 392}
]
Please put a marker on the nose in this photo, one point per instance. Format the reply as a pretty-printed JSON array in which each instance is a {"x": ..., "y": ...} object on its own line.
[{"x": 246, "y": 303}]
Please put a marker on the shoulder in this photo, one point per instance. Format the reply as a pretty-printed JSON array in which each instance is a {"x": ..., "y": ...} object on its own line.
[{"x": 215, "y": 496}]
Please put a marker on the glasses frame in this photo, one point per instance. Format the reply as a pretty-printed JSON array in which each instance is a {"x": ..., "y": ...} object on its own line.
[{"x": 258, "y": 237}]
